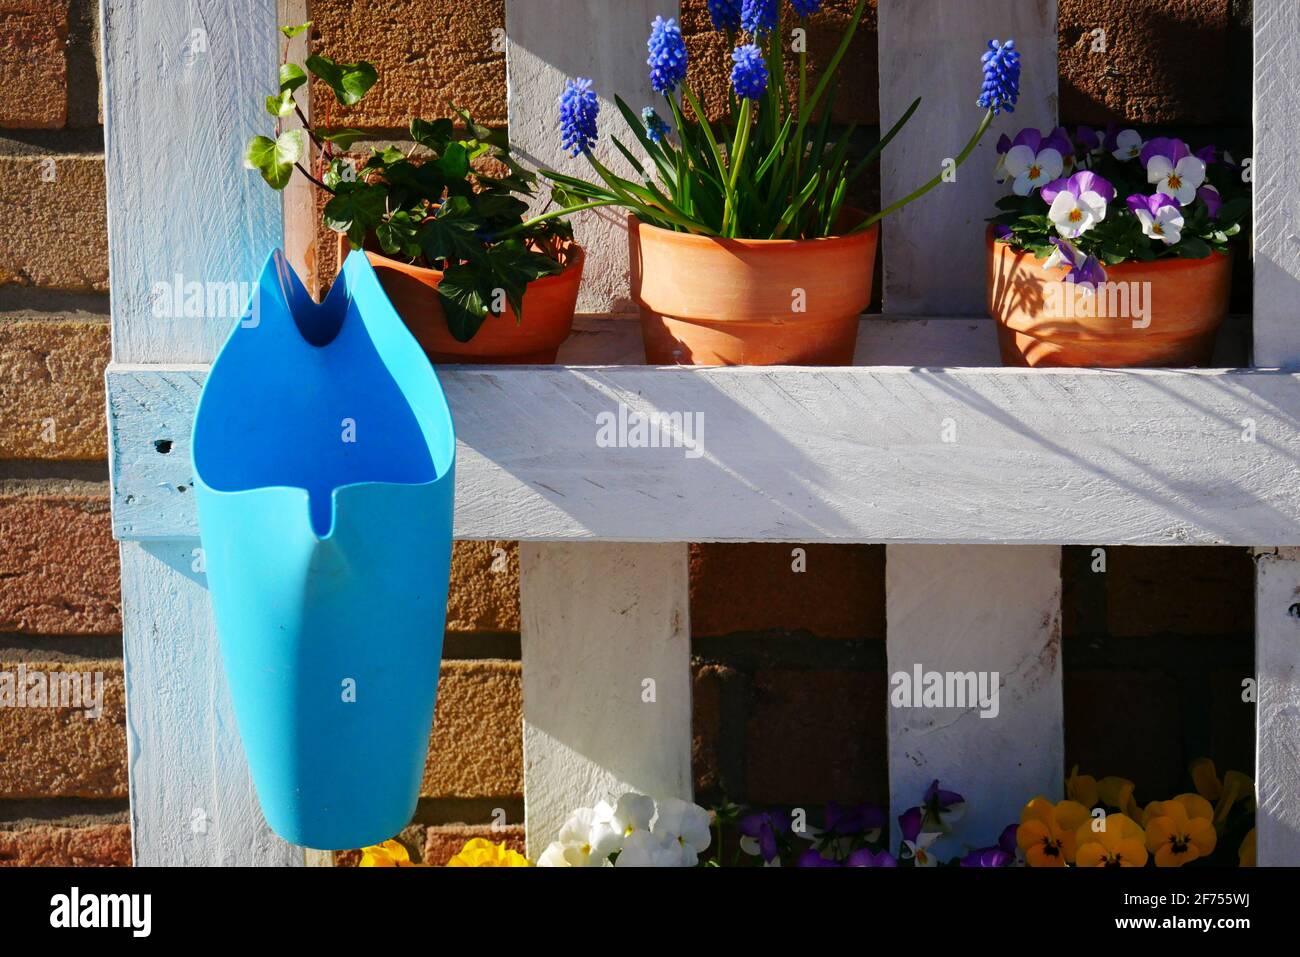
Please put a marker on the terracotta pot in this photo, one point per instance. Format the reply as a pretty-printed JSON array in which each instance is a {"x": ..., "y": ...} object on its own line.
[
  {"x": 707, "y": 301},
  {"x": 549, "y": 303},
  {"x": 1161, "y": 313}
]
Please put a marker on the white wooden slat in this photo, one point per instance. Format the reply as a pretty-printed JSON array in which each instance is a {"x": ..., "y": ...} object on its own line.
[
  {"x": 1275, "y": 167},
  {"x": 984, "y": 609},
  {"x": 192, "y": 801},
  {"x": 183, "y": 91},
  {"x": 605, "y": 631},
  {"x": 301, "y": 215},
  {"x": 934, "y": 255},
  {"x": 894, "y": 455},
  {"x": 1277, "y": 667},
  {"x": 548, "y": 43}
]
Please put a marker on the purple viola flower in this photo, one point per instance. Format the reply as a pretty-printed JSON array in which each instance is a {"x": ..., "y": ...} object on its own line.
[
  {"x": 1173, "y": 169},
  {"x": 852, "y": 821},
  {"x": 1160, "y": 216},
  {"x": 1089, "y": 139},
  {"x": 759, "y": 16},
  {"x": 1001, "y": 232},
  {"x": 1004, "y": 143},
  {"x": 725, "y": 14},
  {"x": 806, "y": 8},
  {"x": 1034, "y": 160},
  {"x": 1085, "y": 270},
  {"x": 1001, "y": 87},
  {"x": 1078, "y": 203},
  {"x": 988, "y": 857},
  {"x": 811, "y": 858},
  {"x": 1172, "y": 148},
  {"x": 1205, "y": 154},
  {"x": 749, "y": 75},
  {"x": 764, "y": 827},
  {"x": 1211, "y": 198},
  {"x": 667, "y": 60},
  {"x": 866, "y": 857},
  {"x": 942, "y": 808},
  {"x": 1007, "y": 840},
  {"x": 1084, "y": 181},
  {"x": 578, "y": 111},
  {"x": 917, "y": 840}
]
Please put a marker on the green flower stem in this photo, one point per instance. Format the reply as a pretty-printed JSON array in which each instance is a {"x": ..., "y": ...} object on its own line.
[
  {"x": 917, "y": 194},
  {"x": 736, "y": 158}
]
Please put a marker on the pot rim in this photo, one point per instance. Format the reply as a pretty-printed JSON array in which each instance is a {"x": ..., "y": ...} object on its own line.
[
  {"x": 702, "y": 242},
  {"x": 1175, "y": 264},
  {"x": 423, "y": 272}
]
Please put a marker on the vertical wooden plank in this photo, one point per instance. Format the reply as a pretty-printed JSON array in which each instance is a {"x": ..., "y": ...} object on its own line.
[
  {"x": 991, "y": 610},
  {"x": 549, "y": 42},
  {"x": 1275, "y": 167},
  {"x": 301, "y": 217},
  {"x": 606, "y": 671},
  {"x": 934, "y": 252},
  {"x": 1277, "y": 742},
  {"x": 183, "y": 91},
  {"x": 192, "y": 801}
]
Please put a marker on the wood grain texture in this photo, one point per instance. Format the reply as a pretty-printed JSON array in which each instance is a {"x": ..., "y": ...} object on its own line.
[
  {"x": 549, "y": 42},
  {"x": 1275, "y": 223},
  {"x": 184, "y": 89},
  {"x": 934, "y": 258},
  {"x": 821, "y": 455},
  {"x": 977, "y": 609},
  {"x": 599, "y": 621},
  {"x": 192, "y": 800},
  {"x": 1277, "y": 667}
]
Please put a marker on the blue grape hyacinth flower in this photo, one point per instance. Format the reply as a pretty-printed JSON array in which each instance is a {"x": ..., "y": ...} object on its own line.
[
  {"x": 1001, "y": 87},
  {"x": 759, "y": 16},
  {"x": 806, "y": 8},
  {"x": 725, "y": 14},
  {"x": 667, "y": 55},
  {"x": 655, "y": 127},
  {"x": 749, "y": 75},
  {"x": 578, "y": 111}
]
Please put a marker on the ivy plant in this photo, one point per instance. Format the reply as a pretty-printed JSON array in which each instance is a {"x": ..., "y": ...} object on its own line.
[{"x": 456, "y": 200}]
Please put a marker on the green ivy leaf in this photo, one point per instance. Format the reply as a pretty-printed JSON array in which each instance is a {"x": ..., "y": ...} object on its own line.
[
  {"x": 340, "y": 136},
  {"x": 291, "y": 76},
  {"x": 452, "y": 235},
  {"x": 355, "y": 209},
  {"x": 281, "y": 105},
  {"x": 453, "y": 164},
  {"x": 275, "y": 159},
  {"x": 434, "y": 135},
  {"x": 511, "y": 267},
  {"x": 464, "y": 296},
  {"x": 349, "y": 81},
  {"x": 398, "y": 235},
  {"x": 292, "y": 32}
]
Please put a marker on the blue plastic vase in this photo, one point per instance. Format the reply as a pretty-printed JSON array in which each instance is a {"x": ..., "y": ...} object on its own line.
[{"x": 324, "y": 461}]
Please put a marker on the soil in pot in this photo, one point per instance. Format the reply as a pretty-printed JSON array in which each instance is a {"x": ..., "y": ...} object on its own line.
[
  {"x": 549, "y": 303},
  {"x": 709, "y": 301},
  {"x": 1163, "y": 313}
]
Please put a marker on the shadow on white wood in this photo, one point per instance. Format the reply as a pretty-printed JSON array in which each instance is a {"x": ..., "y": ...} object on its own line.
[{"x": 1277, "y": 667}]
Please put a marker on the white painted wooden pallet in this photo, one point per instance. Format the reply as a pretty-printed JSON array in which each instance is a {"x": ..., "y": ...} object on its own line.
[{"x": 859, "y": 454}]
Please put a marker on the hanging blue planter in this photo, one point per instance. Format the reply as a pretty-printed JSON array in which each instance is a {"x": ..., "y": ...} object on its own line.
[{"x": 324, "y": 468}]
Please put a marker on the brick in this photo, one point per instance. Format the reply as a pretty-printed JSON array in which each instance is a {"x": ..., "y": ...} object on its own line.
[
  {"x": 63, "y": 239},
  {"x": 477, "y": 748},
  {"x": 59, "y": 566},
  {"x": 107, "y": 845},
  {"x": 1166, "y": 61},
  {"x": 753, "y": 587},
  {"x": 62, "y": 752},
  {"x": 816, "y": 736},
  {"x": 1179, "y": 591},
  {"x": 52, "y": 403},
  {"x": 1129, "y": 724},
  {"x": 33, "y": 64},
  {"x": 443, "y": 842},
  {"x": 484, "y": 592},
  {"x": 409, "y": 41}
]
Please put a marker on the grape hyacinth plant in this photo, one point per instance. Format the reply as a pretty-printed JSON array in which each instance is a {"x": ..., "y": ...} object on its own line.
[
  {"x": 773, "y": 167},
  {"x": 1096, "y": 199}
]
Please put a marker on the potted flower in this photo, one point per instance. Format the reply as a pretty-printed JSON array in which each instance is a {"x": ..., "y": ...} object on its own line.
[
  {"x": 743, "y": 247},
  {"x": 444, "y": 222},
  {"x": 1112, "y": 250}
]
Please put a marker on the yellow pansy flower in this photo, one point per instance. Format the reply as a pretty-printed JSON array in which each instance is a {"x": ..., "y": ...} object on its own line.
[
  {"x": 479, "y": 852},
  {"x": 1118, "y": 792},
  {"x": 389, "y": 854},
  {"x": 1246, "y": 853},
  {"x": 1081, "y": 788},
  {"x": 1047, "y": 831},
  {"x": 1181, "y": 830},
  {"x": 1121, "y": 844}
]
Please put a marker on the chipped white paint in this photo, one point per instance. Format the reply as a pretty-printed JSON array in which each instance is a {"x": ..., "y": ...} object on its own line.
[
  {"x": 607, "y": 684},
  {"x": 549, "y": 42},
  {"x": 934, "y": 248},
  {"x": 183, "y": 89},
  {"x": 977, "y": 608},
  {"x": 872, "y": 454},
  {"x": 1277, "y": 667}
]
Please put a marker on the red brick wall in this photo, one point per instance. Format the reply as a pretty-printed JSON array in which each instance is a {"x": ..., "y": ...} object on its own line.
[{"x": 789, "y": 667}]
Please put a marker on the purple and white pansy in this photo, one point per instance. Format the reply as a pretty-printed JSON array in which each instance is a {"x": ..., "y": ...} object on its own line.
[
  {"x": 1126, "y": 145},
  {"x": 1173, "y": 169},
  {"x": 1033, "y": 160},
  {"x": 1078, "y": 203},
  {"x": 1160, "y": 215},
  {"x": 1086, "y": 271}
]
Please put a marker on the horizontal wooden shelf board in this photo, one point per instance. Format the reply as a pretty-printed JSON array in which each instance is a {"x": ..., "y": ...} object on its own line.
[{"x": 855, "y": 454}]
